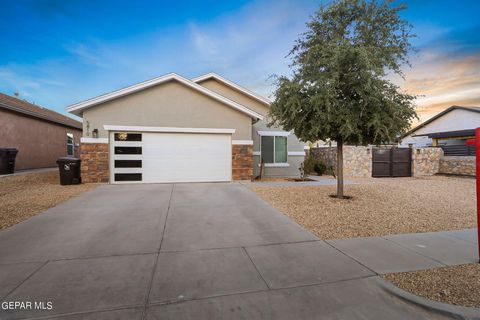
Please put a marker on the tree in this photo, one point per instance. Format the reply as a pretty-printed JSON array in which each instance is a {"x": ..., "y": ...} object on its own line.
[{"x": 339, "y": 88}]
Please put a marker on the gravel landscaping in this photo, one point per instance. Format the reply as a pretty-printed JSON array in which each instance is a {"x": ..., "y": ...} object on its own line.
[
  {"x": 379, "y": 206},
  {"x": 459, "y": 285},
  {"x": 26, "y": 195}
]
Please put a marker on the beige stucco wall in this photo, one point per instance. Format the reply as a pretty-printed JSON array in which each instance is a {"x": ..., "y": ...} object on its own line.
[
  {"x": 235, "y": 95},
  {"x": 169, "y": 105},
  {"x": 293, "y": 144}
]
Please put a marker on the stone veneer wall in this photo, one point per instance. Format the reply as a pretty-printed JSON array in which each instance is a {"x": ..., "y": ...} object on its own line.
[
  {"x": 457, "y": 165},
  {"x": 242, "y": 162},
  {"x": 357, "y": 160},
  {"x": 327, "y": 155},
  {"x": 426, "y": 161},
  {"x": 94, "y": 165}
]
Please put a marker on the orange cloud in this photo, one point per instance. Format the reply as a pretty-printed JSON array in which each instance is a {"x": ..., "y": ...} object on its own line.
[{"x": 443, "y": 80}]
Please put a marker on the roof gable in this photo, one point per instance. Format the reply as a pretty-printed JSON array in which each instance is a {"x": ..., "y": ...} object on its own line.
[
  {"x": 249, "y": 93},
  {"x": 78, "y": 107}
]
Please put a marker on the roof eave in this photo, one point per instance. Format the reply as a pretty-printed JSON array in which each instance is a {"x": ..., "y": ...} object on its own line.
[
  {"x": 78, "y": 108},
  {"x": 39, "y": 116}
]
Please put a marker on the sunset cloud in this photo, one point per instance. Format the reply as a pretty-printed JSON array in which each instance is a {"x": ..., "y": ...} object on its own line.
[
  {"x": 445, "y": 72},
  {"x": 442, "y": 81}
]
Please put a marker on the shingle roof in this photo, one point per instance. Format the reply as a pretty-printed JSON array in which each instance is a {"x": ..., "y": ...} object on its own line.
[{"x": 21, "y": 106}]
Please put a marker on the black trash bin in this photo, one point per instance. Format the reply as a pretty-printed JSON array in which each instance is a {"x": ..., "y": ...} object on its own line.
[
  {"x": 7, "y": 160},
  {"x": 69, "y": 170}
]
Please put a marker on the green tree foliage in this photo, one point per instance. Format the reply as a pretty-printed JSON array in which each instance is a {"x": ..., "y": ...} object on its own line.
[{"x": 339, "y": 87}]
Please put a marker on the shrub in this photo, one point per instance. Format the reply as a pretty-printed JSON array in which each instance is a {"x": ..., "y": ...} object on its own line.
[
  {"x": 309, "y": 164},
  {"x": 319, "y": 167}
]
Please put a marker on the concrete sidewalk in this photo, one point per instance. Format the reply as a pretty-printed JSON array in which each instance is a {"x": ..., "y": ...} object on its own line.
[{"x": 409, "y": 252}]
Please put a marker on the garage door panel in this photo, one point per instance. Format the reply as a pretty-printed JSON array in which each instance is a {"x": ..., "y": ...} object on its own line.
[
  {"x": 178, "y": 157},
  {"x": 186, "y": 157}
]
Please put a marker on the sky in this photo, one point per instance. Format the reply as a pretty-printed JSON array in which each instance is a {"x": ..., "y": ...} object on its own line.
[{"x": 59, "y": 52}]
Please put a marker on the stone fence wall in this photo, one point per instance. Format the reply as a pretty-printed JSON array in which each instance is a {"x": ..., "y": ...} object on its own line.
[
  {"x": 426, "y": 161},
  {"x": 357, "y": 161},
  {"x": 457, "y": 165}
]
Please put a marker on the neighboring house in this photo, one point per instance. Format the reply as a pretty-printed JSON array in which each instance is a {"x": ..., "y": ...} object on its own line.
[
  {"x": 172, "y": 129},
  {"x": 449, "y": 130},
  {"x": 40, "y": 135}
]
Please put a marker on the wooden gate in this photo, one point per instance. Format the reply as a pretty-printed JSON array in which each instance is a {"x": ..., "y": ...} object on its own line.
[{"x": 391, "y": 162}]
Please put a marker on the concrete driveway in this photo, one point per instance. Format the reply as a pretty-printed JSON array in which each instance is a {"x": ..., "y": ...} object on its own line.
[{"x": 184, "y": 251}]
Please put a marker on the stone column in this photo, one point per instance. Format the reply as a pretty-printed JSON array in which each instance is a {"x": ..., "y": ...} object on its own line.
[
  {"x": 94, "y": 165},
  {"x": 242, "y": 162},
  {"x": 426, "y": 161}
]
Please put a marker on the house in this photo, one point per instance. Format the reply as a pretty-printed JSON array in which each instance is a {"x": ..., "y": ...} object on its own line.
[
  {"x": 173, "y": 129},
  {"x": 448, "y": 130},
  {"x": 40, "y": 135}
]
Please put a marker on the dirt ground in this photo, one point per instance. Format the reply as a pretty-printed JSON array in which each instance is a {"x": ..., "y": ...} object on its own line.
[
  {"x": 379, "y": 206},
  {"x": 24, "y": 196},
  {"x": 458, "y": 285}
]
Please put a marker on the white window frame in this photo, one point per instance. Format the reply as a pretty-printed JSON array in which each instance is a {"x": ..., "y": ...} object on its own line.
[
  {"x": 70, "y": 135},
  {"x": 274, "y": 163}
]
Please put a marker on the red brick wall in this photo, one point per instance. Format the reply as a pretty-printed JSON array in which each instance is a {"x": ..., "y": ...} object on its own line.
[
  {"x": 242, "y": 162},
  {"x": 94, "y": 166}
]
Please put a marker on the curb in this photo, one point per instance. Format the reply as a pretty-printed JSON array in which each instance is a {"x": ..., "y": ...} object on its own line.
[{"x": 456, "y": 312}]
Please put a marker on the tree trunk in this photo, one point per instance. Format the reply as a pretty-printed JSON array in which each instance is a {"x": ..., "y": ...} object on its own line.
[{"x": 340, "y": 169}]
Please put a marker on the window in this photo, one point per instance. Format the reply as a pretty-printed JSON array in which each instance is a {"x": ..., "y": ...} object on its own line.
[
  {"x": 128, "y": 163},
  {"x": 123, "y": 136},
  {"x": 128, "y": 150},
  {"x": 128, "y": 177},
  {"x": 70, "y": 145},
  {"x": 274, "y": 149}
]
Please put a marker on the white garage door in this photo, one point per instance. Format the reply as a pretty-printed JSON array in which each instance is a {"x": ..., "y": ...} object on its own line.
[{"x": 170, "y": 157}]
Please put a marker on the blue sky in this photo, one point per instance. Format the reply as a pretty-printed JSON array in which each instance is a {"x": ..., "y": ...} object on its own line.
[{"x": 58, "y": 52}]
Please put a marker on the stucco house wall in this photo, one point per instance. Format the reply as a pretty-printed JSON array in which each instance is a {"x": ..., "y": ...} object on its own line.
[
  {"x": 457, "y": 119},
  {"x": 40, "y": 142},
  {"x": 169, "y": 104},
  {"x": 295, "y": 147},
  {"x": 235, "y": 95},
  {"x": 208, "y": 101},
  {"x": 295, "y": 153}
]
